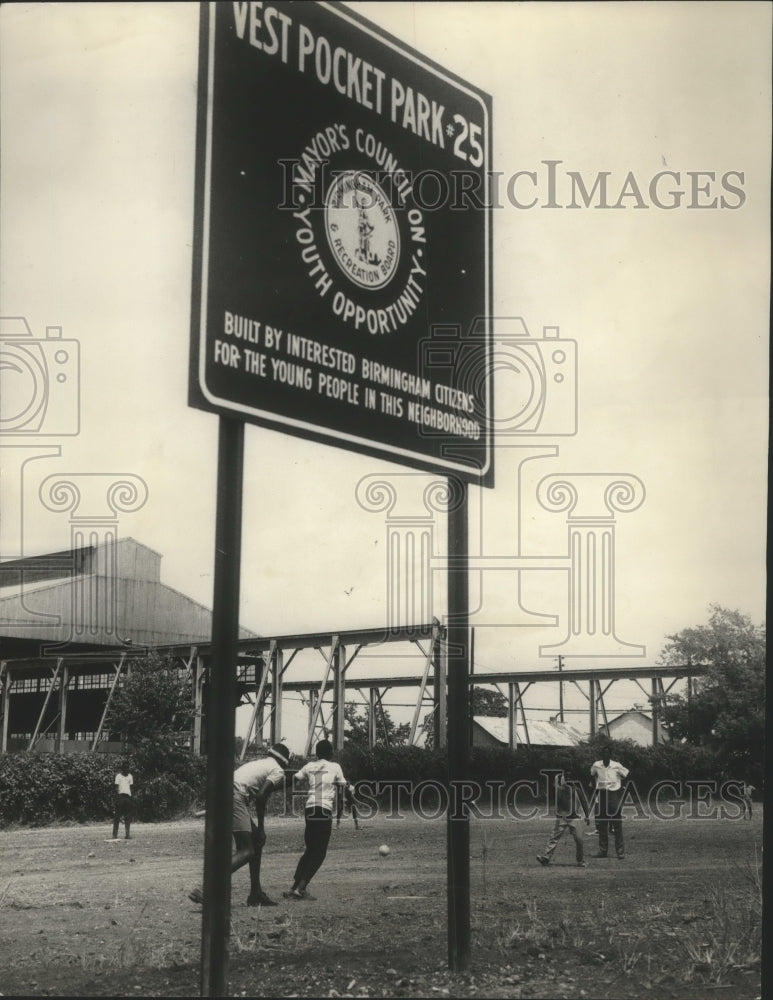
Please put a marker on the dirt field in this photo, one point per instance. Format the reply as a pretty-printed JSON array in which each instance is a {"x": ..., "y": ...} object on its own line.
[{"x": 83, "y": 917}]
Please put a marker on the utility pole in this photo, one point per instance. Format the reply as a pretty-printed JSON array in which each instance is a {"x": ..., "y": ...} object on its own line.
[{"x": 560, "y": 690}]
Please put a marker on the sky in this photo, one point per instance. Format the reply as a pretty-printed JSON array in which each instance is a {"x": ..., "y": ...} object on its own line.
[{"x": 664, "y": 299}]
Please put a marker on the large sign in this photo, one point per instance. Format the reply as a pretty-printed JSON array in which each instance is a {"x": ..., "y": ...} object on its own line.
[{"x": 342, "y": 271}]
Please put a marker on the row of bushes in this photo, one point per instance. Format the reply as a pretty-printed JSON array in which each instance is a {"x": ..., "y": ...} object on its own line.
[
  {"x": 647, "y": 764},
  {"x": 37, "y": 789}
]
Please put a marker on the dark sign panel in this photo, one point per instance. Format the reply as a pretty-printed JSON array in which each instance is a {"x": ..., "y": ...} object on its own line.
[{"x": 342, "y": 264}]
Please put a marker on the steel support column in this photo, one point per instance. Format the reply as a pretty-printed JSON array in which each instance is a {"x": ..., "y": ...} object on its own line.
[
  {"x": 313, "y": 698},
  {"x": 339, "y": 696},
  {"x": 277, "y": 669},
  {"x": 46, "y": 700},
  {"x": 603, "y": 706},
  {"x": 198, "y": 698},
  {"x": 257, "y": 720},
  {"x": 113, "y": 686},
  {"x": 512, "y": 728},
  {"x": 7, "y": 679},
  {"x": 61, "y": 732},
  {"x": 441, "y": 703},
  {"x": 656, "y": 700},
  {"x": 420, "y": 697},
  {"x": 317, "y": 709},
  {"x": 372, "y": 708},
  {"x": 519, "y": 703}
]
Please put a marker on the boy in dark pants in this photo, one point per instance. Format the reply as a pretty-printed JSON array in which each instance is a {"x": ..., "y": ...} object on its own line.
[
  {"x": 324, "y": 779},
  {"x": 610, "y": 777},
  {"x": 566, "y": 820},
  {"x": 123, "y": 800}
]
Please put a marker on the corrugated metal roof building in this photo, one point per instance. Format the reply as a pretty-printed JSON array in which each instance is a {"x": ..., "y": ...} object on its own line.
[
  {"x": 106, "y": 599},
  {"x": 102, "y": 595},
  {"x": 492, "y": 731}
]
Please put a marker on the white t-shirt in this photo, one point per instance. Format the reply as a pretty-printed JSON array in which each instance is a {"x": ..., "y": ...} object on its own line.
[
  {"x": 253, "y": 776},
  {"x": 124, "y": 783},
  {"x": 609, "y": 776},
  {"x": 324, "y": 778}
]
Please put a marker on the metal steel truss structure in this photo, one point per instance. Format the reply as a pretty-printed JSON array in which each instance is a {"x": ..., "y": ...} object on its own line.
[{"x": 262, "y": 674}]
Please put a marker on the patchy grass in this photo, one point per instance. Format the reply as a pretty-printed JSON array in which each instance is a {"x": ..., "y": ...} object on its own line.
[
  {"x": 729, "y": 938},
  {"x": 679, "y": 918}
]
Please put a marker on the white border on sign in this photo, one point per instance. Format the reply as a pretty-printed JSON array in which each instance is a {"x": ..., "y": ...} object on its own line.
[{"x": 431, "y": 463}]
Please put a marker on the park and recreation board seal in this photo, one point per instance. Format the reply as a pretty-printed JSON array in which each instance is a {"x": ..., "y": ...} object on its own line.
[{"x": 362, "y": 229}]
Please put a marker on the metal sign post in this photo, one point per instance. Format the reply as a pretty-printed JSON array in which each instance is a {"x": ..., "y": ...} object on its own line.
[
  {"x": 221, "y": 711},
  {"x": 458, "y": 820},
  {"x": 342, "y": 293}
]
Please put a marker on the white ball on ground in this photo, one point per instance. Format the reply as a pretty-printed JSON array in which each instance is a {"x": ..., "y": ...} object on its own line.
[{"x": 383, "y": 850}]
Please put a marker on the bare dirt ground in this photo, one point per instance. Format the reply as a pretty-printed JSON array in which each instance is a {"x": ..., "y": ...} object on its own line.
[{"x": 83, "y": 917}]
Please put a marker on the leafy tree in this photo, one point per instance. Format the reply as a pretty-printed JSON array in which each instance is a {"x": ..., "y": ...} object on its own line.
[
  {"x": 484, "y": 701},
  {"x": 254, "y": 748},
  {"x": 152, "y": 709},
  {"x": 726, "y": 710},
  {"x": 356, "y": 724}
]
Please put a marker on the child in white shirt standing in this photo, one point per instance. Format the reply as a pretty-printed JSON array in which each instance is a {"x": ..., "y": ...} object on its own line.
[
  {"x": 610, "y": 777},
  {"x": 123, "y": 800}
]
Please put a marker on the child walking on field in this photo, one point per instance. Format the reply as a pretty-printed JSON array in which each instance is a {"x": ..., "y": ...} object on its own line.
[{"x": 566, "y": 820}]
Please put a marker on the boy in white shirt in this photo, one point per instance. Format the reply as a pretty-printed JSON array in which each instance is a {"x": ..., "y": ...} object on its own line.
[
  {"x": 609, "y": 775},
  {"x": 123, "y": 800},
  {"x": 324, "y": 778}
]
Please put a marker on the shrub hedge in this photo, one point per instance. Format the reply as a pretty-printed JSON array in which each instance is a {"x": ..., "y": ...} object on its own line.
[
  {"x": 37, "y": 789},
  {"x": 41, "y": 788},
  {"x": 647, "y": 765}
]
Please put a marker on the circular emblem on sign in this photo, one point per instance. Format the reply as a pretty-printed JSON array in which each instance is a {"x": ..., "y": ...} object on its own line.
[{"x": 361, "y": 229}]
